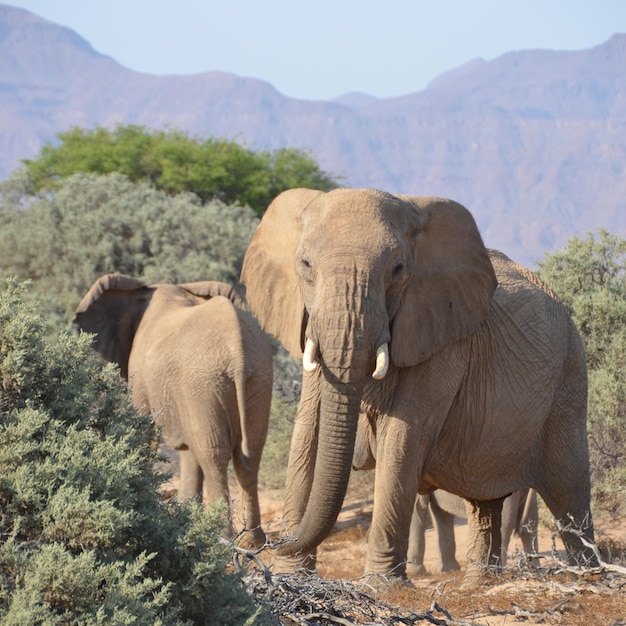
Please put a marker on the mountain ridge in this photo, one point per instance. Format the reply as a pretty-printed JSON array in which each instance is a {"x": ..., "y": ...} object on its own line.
[{"x": 532, "y": 142}]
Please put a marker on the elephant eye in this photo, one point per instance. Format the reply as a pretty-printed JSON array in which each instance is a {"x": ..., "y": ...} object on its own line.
[
  {"x": 305, "y": 269},
  {"x": 397, "y": 270}
]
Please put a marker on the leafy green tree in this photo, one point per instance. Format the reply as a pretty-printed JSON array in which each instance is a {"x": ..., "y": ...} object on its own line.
[
  {"x": 589, "y": 275},
  {"x": 84, "y": 538},
  {"x": 174, "y": 162},
  {"x": 90, "y": 225}
]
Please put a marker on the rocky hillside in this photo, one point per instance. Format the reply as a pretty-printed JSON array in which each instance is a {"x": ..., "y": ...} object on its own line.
[{"x": 533, "y": 142}]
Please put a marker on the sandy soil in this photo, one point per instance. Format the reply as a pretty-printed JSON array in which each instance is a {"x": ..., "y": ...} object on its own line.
[{"x": 549, "y": 595}]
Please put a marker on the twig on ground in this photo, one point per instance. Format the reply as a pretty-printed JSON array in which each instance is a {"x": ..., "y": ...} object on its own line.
[
  {"x": 603, "y": 565},
  {"x": 539, "y": 616}
]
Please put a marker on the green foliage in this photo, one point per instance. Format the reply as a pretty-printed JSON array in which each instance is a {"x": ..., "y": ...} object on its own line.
[
  {"x": 174, "y": 162},
  {"x": 90, "y": 225},
  {"x": 589, "y": 276},
  {"x": 273, "y": 470},
  {"x": 84, "y": 537}
]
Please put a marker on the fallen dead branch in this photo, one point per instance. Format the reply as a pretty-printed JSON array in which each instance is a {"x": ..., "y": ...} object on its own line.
[
  {"x": 541, "y": 616},
  {"x": 603, "y": 565},
  {"x": 305, "y": 598}
]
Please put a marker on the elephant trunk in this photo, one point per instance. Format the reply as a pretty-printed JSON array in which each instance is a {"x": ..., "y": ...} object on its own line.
[
  {"x": 337, "y": 433},
  {"x": 347, "y": 359}
]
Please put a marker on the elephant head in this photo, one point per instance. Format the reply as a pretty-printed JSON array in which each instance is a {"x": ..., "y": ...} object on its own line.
[
  {"x": 356, "y": 282},
  {"x": 114, "y": 307}
]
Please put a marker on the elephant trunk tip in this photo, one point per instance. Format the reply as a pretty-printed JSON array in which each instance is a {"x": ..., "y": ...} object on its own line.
[{"x": 290, "y": 546}]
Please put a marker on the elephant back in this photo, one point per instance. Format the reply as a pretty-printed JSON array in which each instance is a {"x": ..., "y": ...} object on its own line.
[
  {"x": 206, "y": 289},
  {"x": 509, "y": 273}
]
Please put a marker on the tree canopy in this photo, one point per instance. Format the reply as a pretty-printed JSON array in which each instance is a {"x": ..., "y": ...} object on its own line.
[{"x": 174, "y": 162}]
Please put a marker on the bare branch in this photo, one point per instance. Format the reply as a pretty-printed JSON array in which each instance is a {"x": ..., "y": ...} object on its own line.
[{"x": 575, "y": 530}]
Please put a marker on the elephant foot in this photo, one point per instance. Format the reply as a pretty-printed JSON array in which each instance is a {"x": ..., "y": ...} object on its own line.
[
  {"x": 477, "y": 576},
  {"x": 384, "y": 583},
  {"x": 450, "y": 566},
  {"x": 415, "y": 570}
]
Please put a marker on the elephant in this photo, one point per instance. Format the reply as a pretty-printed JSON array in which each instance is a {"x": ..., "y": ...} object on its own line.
[
  {"x": 520, "y": 515},
  {"x": 466, "y": 369},
  {"x": 196, "y": 359}
]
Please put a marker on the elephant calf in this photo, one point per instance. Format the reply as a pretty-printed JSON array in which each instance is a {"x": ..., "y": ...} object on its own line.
[
  {"x": 196, "y": 359},
  {"x": 520, "y": 514}
]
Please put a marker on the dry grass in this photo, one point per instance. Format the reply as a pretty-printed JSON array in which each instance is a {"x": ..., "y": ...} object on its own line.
[{"x": 338, "y": 594}]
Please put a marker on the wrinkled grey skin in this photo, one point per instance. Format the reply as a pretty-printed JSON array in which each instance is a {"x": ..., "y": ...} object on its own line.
[
  {"x": 520, "y": 515},
  {"x": 483, "y": 391},
  {"x": 200, "y": 363}
]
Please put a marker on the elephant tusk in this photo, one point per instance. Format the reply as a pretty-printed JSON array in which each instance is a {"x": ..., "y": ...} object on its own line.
[
  {"x": 308, "y": 358},
  {"x": 382, "y": 362}
]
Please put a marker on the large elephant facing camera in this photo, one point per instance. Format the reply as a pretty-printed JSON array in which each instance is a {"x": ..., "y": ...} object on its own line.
[
  {"x": 196, "y": 359},
  {"x": 468, "y": 372}
]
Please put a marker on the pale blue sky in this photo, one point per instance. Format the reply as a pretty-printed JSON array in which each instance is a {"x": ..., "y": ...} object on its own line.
[{"x": 324, "y": 48}]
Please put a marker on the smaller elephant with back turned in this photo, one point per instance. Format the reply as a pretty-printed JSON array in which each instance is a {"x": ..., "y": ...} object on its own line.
[
  {"x": 197, "y": 360},
  {"x": 520, "y": 515}
]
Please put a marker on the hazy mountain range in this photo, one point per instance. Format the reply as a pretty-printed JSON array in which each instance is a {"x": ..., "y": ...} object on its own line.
[{"x": 533, "y": 142}]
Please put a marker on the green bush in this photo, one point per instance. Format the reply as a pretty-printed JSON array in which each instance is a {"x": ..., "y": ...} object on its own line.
[
  {"x": 84, "y": 537},
  {"x": 273, "y": 470},
  {"x": 589, "y": 275},
  {"x": 90, "y": 225}
]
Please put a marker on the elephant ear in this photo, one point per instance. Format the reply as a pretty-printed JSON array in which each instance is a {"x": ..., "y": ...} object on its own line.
[
  {"x": 207, "y": 289},
  {"x": 269, "y": 269},
  {"x": 113, "y": 308},
  {"x": 451, "y": 287}
]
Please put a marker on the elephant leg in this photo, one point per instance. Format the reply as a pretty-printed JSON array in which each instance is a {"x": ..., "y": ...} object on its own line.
[
  {"x": 528, "y": 524},
  {"x": 570, "y": 508},
  {"x": 444, "y": 527},
  {"x": 247, "y": 470},
  {"x": 190, "y": 480},
  {"x": 417, "y": 538},
  {"x": 247, "y": 456},
  {"x": 214, "y": 465},
  {"x": 484, "y": 520},
  {"x": 512, "y": 508},
  {"x": 564, "y": 482},
  {"x": 397, "y": 478},
  {"x": 215, "y": 485},
  {"x": 520, "y": 515},
  {"x": 443, "y": 523}
]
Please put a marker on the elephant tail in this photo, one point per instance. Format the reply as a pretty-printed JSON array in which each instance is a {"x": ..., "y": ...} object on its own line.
[{"x": 245, "y": 427}]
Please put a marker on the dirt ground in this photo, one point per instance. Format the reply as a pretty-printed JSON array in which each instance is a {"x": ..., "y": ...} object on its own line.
[{"x": 550, "y": 595}]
